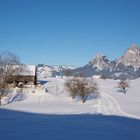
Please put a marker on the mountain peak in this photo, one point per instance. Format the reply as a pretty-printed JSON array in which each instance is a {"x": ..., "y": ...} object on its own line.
[
  {"x": 100, "y": 62},
  {"x": 134, "y": 46},
  {"x": 131, "y": 57},
  {"x": 134, "y": 49},
  {"x": 98, "y": 57},
  {"x": 125, "y": 67}
]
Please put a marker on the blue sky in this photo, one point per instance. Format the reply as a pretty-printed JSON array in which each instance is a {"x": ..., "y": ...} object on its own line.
[{"x": 69, "y": 32}]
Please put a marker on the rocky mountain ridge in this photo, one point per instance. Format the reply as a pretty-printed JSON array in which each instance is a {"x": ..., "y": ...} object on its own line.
[
  {"x": 45, "y": 71},
  {"x": 125, "y": 67}
]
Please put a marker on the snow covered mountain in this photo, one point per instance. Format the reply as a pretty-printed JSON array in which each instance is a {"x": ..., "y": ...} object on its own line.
[
  {"x": 131, "y": 57},
  {"x": 46, "y": 71},
  {"x": 100, "y": 62},
  {"x": 127, "y": 66}
]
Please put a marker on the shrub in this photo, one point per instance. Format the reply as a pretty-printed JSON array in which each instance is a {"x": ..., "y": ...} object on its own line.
[
  {"x": 82, "y": 87},
  {"x": 123, "y": 84},
  {"x": 70, "y": 85}
]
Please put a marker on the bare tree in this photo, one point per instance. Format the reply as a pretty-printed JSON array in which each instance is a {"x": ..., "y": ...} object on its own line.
[
  {"x": 81, "y": 87},
  {"x": 123, "y": 84},
  {"x": 93, "y": 87},
  {"x": 71, "y": 86},
  {"x": 9, "y": 67}
]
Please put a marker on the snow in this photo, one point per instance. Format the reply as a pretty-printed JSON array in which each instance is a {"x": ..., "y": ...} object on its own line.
[
  {"x": 128, "y": 103},
  {"x": 131, "y": 57},
  {"x": 57, "y": 100},
  {"x": 130, "y": 51},
  {"x": 24, "y": 70},
  {"x": 100, "y": 62},
  {"x": 21, "y": 125},
  {"x": 46, "y": 71},
  {"x": 60, "y": 67},
  {"x": 30, "y": 70},
  {"x": 54, "y": 115}
]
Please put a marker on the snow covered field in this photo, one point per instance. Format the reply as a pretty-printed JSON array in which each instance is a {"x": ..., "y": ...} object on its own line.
[
  {"x": 58, "y": 101},
  {"x": 128, "y": 103},
  {"x": 54, "y": 115}
]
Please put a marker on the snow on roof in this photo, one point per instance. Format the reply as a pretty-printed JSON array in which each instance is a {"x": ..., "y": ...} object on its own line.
[
  {"x": 24, "y": 70},
  {"x": 30, "y": 70}
]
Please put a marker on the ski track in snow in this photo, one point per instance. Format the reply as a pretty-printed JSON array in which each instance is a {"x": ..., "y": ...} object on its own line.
[{"x": 107, "y": 105}]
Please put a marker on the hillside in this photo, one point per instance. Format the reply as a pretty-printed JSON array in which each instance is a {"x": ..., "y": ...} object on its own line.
[
  {"x": 58, "y": 101},
  {"x": 54, "y": 115}
]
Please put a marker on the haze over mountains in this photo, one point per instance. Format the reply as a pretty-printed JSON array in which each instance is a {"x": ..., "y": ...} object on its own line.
[{"x": 125, "y": 67}]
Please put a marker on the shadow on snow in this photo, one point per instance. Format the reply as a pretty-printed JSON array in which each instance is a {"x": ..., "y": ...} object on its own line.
[{"x": 20, "y": 125}]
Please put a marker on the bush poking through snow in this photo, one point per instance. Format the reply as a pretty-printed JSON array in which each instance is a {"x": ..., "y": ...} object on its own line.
[
  {"x": 81, "y": 87},
  {"x": 123, "y": 84},
  {"x": 71, "y": 86},
  {"x": 7, "y": 71}
]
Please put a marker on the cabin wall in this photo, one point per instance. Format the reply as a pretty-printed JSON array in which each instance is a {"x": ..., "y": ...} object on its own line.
[{"x": 25, "y": 79}]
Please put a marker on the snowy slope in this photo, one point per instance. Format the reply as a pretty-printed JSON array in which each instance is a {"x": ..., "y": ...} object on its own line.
[
  {"x": 129, "y": 102},
  {"x": 55, "y": 101},
  {"x": 55, "y": 116},
  {"x": 58, "y": 101}
]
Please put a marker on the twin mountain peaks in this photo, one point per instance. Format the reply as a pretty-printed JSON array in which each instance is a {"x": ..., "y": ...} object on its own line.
[
  {"x": 125, "y": 67},
  {"x": 130, "y": 58}
]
